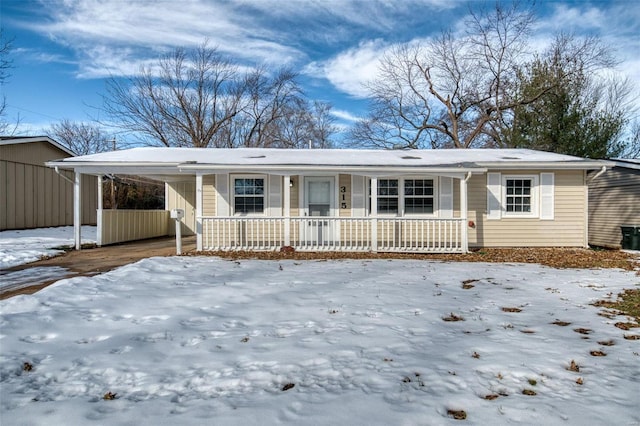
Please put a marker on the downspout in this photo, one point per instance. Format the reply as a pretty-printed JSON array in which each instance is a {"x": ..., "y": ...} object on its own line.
[
  {"x": 63, "y": 176},
  {"x": 602, "y": 170},
  {"x": 464, "y": 207}
]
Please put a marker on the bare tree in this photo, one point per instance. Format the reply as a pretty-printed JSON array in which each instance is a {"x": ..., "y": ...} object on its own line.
[
  {"x": 81, "y": 138},
  {"x": 198, "y": 98},
  {"x": 265, "y": 103},
  {"x": 5, "y": 65},
  {"x": 455, "y": 91},
  {"x": 185, "y": 101},
  {"x": 305, "y": 124},
  {"x": 632, "y": 147}
]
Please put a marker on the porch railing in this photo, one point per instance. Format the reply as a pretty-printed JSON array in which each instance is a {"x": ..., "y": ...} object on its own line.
[{"x": 334, "y": 234}]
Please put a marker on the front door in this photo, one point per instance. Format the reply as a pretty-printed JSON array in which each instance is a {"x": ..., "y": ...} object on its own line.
[{"x": 319, "y": 202}]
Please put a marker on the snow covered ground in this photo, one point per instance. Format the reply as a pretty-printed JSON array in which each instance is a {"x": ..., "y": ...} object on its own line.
[
  {"x": 198, "y": 340},
  {"x": 28, "y": 245}
]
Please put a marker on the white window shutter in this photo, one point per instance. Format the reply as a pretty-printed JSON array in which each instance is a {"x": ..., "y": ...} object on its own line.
[
  {"x": 494, "y": 196},
  {"x": 547, "y": 198},
  {"x": 222, "y": 197},
  {"x": 275, "y": 196},
  {"x": 357, "y": 196},
  {"x": 446, "y": 197}
]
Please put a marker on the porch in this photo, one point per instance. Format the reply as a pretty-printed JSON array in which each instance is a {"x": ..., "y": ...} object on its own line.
[{"x": 350, "y": 234}]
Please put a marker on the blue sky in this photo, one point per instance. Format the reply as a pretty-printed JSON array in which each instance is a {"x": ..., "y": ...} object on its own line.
[{"x": 64, "y": 49}]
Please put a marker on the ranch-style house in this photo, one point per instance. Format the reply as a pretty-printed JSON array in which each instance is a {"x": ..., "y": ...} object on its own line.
[{"x": 351, "y": 200}]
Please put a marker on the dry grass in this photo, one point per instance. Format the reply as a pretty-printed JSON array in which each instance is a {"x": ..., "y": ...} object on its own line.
[
  {"x": 457, "y": 414},
  {"x": 627, "y": 303},
  {"x": 452, "y": 318},
  {"x": 554, "y": 257}
]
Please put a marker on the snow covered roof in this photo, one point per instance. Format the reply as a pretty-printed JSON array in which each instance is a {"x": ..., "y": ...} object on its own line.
[
  {"x": 191, "y": 160},
  {"x": 629, "y": 163},
  {"x": 13, "y": 140}
]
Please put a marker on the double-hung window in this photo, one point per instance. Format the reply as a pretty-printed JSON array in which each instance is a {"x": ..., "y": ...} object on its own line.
[
  {"x": 388, "y": 196},
  {"x": 418, "y": 196},
  {"x": 406, "y": 196},
  {"x": 520, "y": 195},
  {"x": 248, "y": 195}
]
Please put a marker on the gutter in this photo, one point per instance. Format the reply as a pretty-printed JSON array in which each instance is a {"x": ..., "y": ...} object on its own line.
[
  {"x": 379, "y": 170},
  {"x": 579, "y": 165}
]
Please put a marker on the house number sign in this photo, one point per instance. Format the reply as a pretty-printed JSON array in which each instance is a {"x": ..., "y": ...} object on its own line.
[{"x": 343, "y": 197}]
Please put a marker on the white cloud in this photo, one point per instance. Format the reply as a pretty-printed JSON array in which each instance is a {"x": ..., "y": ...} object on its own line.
[
  {"x": 105, "y": 33},
  {"x": 565, "y": 17},
  {"x": 615, "y": 23},
  {"x": 350, "y": 70},
  {"x": 344, "y": 115},
  {"x": 363, "y": 13}
]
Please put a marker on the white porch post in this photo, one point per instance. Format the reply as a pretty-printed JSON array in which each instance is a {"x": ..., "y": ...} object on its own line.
[
  {"x": 463, "y": 214},
  {"x": 77, "y": 210},
  {"x": 99, "y": 214},
  {"x": 199, "y": 193},
  {"x": 286, "y": 207},
  {"x": 374, "y": 214}
]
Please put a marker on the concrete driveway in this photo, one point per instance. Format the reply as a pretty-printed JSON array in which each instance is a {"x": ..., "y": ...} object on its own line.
[{"x": 86, "y": 262}]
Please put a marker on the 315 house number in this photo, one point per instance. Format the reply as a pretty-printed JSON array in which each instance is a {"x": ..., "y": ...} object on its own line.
[{"x": 343, "y": 197}]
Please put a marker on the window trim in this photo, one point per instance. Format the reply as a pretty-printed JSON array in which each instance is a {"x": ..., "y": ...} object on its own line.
[
  {"x": 535, "y": 196},
  {"x": 264, "y": 195},
  {"x": 401, "y": 197}
]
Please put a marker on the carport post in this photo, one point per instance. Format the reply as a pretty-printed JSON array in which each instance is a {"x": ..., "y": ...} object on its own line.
[
  {"x": 199, "y": 212},
  {"x": 374, "y": 214},
  {"x": 99, "y": 214},
  {"x": 287, "y": 209},
  {"x": 77, "y": 210},
  {"x": 178, "y": 237}
]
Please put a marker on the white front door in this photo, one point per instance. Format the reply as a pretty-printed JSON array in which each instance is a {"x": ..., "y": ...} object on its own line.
[{"x": 319, "y": 195}]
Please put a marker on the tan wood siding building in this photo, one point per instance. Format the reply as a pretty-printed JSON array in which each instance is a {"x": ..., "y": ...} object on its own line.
[
  {"x": 33, "y": 195},
  {"x": 614, "y": 200}
]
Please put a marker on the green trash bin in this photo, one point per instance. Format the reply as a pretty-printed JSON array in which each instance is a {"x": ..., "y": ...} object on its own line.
[
  {"x": 635, "y": 238},
  {"x": 630, "y": 237}
]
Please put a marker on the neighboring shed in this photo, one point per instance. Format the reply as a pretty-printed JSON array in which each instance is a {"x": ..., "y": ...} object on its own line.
[
  {"x": 33, "y": 195},
  {"x": 614, "y": 200}
]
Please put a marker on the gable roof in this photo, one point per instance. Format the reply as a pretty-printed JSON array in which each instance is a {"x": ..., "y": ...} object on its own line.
[
  {"x": 628, "y": 163},
  {"x": 14, "y": 140},
  {"x": 202, "y": 160}
]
